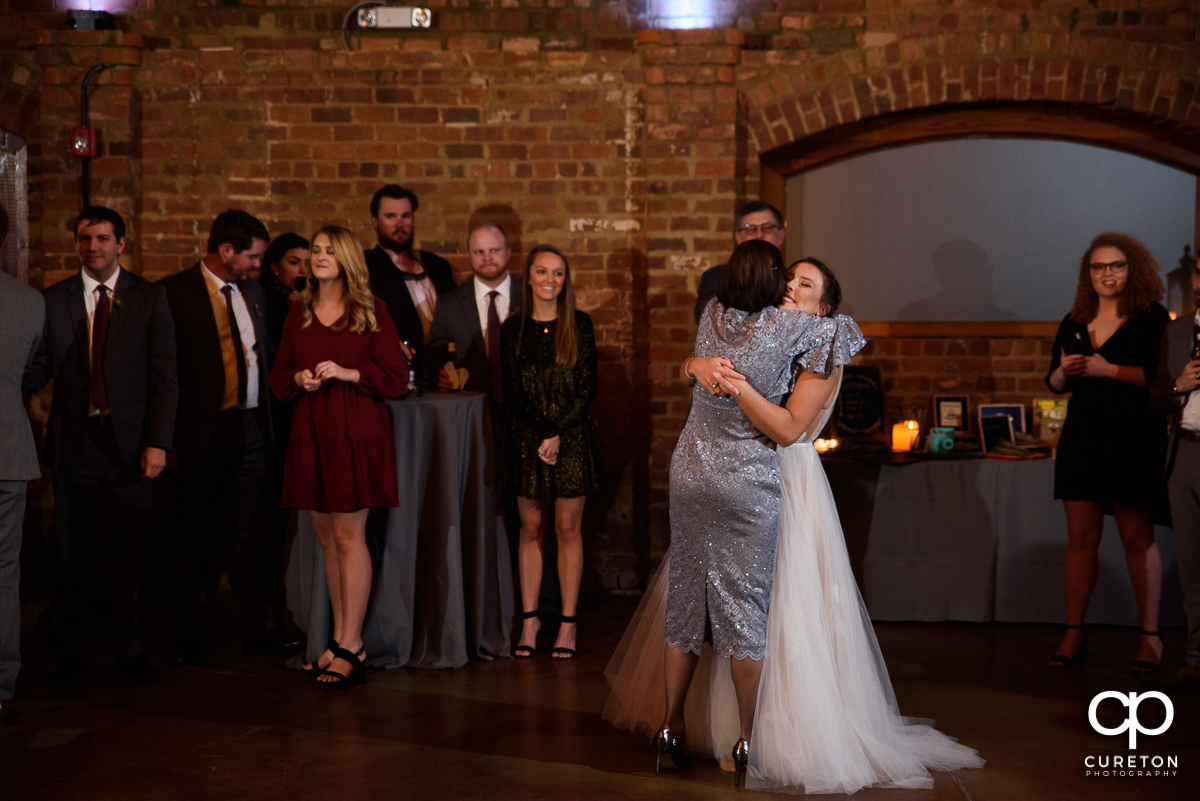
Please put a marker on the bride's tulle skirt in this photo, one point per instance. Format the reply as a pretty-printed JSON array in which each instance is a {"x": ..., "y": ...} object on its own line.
[{"x": 827, "y": 720}]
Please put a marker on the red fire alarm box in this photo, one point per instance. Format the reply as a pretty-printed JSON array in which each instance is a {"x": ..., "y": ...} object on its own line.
[{"x": 83, "y": 142}]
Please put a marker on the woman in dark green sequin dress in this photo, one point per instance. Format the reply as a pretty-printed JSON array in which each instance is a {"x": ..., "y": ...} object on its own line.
[{"x": 549, "y": 357}]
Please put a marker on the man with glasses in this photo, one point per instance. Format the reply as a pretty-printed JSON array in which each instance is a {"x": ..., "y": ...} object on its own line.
[{"x": 755, "y": 220}]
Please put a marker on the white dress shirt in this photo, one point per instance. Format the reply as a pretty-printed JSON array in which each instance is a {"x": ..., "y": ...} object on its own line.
[
  {"x": 91, "y": 294},
  {"x": 241, "y": 313},
  {"x": 502, "y": 301},
  {"x": 1191, "y": 410}
]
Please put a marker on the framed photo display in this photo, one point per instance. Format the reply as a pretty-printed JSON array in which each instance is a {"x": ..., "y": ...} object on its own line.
[
  {"x": 1014, "y": 410},
  {"x": 951, "y": 411}
]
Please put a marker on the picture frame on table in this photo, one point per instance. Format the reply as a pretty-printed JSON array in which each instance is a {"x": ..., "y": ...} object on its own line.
[
  {"x": 1048, "y": 417},
  {"x": 1014, "y": 410},
  {"x": 995, "y": 428},
  {"x": 951, "y": 411}
]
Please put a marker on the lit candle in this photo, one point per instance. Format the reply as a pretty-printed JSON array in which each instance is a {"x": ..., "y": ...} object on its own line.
[{"x": 905, "y": 435}]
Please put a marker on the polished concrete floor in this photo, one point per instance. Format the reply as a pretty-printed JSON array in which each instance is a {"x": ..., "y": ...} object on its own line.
[{"x": 237, "y": 727}]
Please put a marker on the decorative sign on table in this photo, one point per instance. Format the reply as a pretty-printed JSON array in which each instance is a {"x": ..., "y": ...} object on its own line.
[
  {"x": 950, "y": 412},
  {"x": 860, "y": 403}
]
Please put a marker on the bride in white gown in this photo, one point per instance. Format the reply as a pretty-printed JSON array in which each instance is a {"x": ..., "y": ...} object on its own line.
[{"x": 827, "y": 720}]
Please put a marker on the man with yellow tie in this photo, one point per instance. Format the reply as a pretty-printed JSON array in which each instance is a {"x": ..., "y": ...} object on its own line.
[{"x": 221, "y": 433}]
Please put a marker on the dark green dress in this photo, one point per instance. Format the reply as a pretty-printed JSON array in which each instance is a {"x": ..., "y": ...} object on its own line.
[{"x": 545, "y": 399}]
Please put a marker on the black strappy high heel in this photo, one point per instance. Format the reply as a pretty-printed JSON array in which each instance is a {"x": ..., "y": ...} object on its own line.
[
  {"x": 741, "y": 756},
  {"x": 1144, "y": 667},
  {"x": 358, "y": 672},
  {"x": 527, "y": 651},
  {"x": 1062, "y": 662},
  {"x": 558, "y": 653},
  {"x": 314, "y": 670},
  {"x": 665, "y": 742}
]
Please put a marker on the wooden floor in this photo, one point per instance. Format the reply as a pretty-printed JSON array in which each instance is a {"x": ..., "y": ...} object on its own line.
[{"x": 241, "y": 728}]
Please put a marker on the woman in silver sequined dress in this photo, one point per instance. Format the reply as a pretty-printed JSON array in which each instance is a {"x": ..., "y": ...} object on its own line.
[
  {"x": 826, "y": 719},
  {"x": 725, "y": 487}
]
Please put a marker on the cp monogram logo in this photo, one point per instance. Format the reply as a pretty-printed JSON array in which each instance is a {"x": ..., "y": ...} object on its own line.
[{"x": 1131, "y": 723}]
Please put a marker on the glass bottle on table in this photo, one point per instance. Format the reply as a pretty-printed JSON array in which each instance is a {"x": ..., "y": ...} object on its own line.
[{"x": 453, "y": 353}]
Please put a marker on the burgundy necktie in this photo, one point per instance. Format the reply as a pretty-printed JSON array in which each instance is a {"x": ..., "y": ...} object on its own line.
[
  {"x": 236, "y": 334},
  {"x": 493, "y": 340},
  {"x": 99, "y": 335}
]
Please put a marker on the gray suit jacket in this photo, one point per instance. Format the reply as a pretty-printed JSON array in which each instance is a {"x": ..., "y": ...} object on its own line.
[
  {"x": 457, "y": 319},
  {"x": 139, "y": 367},
  {"x": 1175, "y": 353},
  {"x": 22, "y": 317}
]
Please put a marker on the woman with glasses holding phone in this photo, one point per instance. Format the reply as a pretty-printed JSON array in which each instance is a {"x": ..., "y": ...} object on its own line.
[{"x": 1112, "y": 448}]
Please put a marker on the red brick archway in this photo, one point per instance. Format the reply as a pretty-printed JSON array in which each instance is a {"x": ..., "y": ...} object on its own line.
[{"x": 1131, "y": 96}]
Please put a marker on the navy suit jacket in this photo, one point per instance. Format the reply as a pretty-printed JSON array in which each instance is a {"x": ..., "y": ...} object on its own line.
[{"x": 139, "y": 369}]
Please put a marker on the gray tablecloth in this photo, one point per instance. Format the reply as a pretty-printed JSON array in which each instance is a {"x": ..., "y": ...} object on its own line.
[
  {"x": 443, "y": 590},
  {"x": 984, "y": 540}
]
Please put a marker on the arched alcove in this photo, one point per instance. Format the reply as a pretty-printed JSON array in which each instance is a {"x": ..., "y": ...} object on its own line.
[{"x": 1106, "y": 127}]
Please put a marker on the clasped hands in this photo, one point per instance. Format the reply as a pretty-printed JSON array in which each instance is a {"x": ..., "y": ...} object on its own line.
[
  {"x": 548, "y": 450},
  {"x": 311, "y": 380},
  {"x": 1092, "y": 366},
  {"x": 717, "y": 376}
]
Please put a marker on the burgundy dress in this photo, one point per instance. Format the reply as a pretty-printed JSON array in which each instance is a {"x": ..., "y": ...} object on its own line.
[{"x": 342, "y": 455}]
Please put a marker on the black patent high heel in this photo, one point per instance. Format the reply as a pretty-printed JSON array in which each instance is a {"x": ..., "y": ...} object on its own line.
[
  {"x": 741, "y": 756},
  {"x": 527, "y": 651},
  {"x": 1144, "y": 667},
  {"x": 665, "y": 742},
  {"x": 1062, "y": 662}
]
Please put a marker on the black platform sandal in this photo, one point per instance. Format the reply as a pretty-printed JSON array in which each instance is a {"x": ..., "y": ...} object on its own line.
[
  {"x": 313, "y": 670},
  {"x": 527, "y": 651},
  {"x": 358, "y": 673},
  {"x": 558, "y": 653},
  {"x": 1143, "y": 667},
  {"x": 1061, "y": 662}
]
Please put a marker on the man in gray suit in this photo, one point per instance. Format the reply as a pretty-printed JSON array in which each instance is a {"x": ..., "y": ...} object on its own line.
[
  {"x": 470, "y": 317},
  {"x": 22, "y": 315},
  {"x": 1174, "y": 392},
  {"x": 109, "y": 347}
]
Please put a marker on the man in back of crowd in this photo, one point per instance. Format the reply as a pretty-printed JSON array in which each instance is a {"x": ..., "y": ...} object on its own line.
[
  {"x": 755, "y": 220},
  {"x": 408, "y": 280}
]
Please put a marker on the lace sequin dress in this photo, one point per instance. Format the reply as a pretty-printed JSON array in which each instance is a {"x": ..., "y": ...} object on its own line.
[
  {"x": 545, "y": 400},
  {"x": 725, "y": 484}
]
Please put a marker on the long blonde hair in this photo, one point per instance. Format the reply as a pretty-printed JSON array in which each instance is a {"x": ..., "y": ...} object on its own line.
[
  {"x": 360, "y": 303},
  {"x": 566, "y": 346}
]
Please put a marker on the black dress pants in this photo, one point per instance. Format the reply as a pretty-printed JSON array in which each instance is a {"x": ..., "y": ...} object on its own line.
[
  {"x": 103, "y": 545},
  {"x": 215, "y": 502}
]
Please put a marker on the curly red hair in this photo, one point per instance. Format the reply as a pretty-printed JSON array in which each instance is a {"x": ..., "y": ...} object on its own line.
[{"x": 1142, "y": 288}]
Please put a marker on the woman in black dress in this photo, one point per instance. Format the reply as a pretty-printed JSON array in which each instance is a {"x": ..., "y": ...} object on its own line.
[
  {"x": 549, "y": 358},
  {"x": 1110, "y": 455}
]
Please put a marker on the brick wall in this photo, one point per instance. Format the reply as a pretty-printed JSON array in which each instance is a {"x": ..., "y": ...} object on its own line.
[{"x": 585, "y": 123}]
